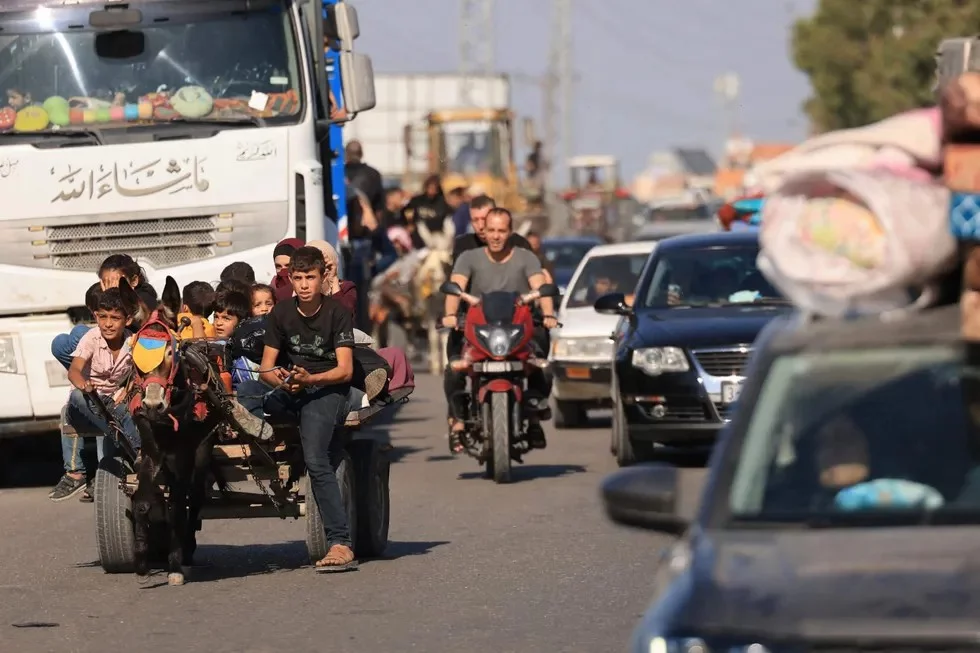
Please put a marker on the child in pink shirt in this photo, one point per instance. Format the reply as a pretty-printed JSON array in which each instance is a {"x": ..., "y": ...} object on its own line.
[{"x": 100, "y": 363}]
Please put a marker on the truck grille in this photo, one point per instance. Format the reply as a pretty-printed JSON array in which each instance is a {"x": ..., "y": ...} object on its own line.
[
  {"x": 722, "y": 362},
  {"x": 163, "y": 242}
]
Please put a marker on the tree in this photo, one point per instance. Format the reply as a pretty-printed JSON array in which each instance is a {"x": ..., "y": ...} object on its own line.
[{"x": 871, "y": 59}]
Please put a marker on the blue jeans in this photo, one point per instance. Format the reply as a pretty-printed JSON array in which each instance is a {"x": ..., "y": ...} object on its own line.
[
  {"x": 65, "y": 343},
  {"x": 319, "y": 412},
  {"x": 84, "y": 418}
]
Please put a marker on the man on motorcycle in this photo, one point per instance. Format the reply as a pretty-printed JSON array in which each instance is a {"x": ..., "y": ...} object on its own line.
[{"x": 500, "y": 266}]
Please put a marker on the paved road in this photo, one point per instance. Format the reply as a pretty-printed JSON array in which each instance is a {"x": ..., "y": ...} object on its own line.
[{"x": 474, "y": 567}]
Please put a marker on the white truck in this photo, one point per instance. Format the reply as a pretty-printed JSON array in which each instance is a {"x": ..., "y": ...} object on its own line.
[
  {"x": 182, "y": 132},
  {"x": 403, "y": 102}
]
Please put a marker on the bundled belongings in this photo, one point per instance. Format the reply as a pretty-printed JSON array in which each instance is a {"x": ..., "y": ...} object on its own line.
[
  {"x": 854, "y": 219},
  {"x": 960, "y": 105},
  {"x": 742, "y": 213}
]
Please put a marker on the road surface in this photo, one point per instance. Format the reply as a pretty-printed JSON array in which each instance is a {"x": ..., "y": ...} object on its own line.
[{"x": 532, "y": 566}]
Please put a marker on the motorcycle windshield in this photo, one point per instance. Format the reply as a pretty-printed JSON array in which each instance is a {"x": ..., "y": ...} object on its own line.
[{"x": 498, "y": 307}]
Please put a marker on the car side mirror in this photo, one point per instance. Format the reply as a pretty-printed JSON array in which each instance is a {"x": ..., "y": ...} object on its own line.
[
  {"x": 450, "y": 288},
  {"x": 645, "y": 496},
  {"x": 549, "y": 290},
  {"x": 613, "y": 304}
]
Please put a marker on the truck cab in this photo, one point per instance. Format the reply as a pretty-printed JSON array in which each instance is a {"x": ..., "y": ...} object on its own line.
[{"x": 184, "y": 133}]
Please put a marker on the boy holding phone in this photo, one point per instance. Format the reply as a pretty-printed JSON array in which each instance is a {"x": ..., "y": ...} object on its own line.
[{"x": 317, "y": 335}]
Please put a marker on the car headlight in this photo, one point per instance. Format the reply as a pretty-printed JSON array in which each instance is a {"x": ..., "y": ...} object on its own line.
[
  {"x": 8, "y": 354},
  {"x": 657, "y": 360},
  {"x": 589, "y": 348},
  {"x": 698, "y": 645},
  {"x": 500, "y": 341}
]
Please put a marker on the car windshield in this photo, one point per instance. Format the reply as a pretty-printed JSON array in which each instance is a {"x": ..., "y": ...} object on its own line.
[
  {"x": 602, "y": 275},
  {"x": 844, "y": 438},
  {"x": 708, "y": 276},
  {"x": 183, "y": 61},
  {"x": 565, "y": 254}
]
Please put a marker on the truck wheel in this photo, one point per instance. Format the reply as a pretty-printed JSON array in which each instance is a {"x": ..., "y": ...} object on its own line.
[
  {"x": 500, "y": 436},
  {"x": 316, "y": 534},
  {"x": 113, "y": 519},
  {"x": 373, "y": 499},
  {"x": 569, "y": 414}
]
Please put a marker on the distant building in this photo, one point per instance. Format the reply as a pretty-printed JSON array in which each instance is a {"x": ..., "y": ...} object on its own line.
[
  {"x": 673, "y": 171},
  {"x": 741, "y": 156}
]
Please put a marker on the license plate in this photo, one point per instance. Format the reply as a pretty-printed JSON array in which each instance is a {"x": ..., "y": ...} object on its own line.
[
  {"x": 730, "y": 390},
  {"x": 579, "y": 373},
  {"x": 496, "y": 367},
  {"x": 57, "y": 374}
]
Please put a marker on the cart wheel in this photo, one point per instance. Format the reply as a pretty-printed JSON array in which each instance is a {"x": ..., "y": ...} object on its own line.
[
  {"x": 373, "y": 499},
  {"x": 113, "y": 519},
  {"x": 316, "y": 534}
]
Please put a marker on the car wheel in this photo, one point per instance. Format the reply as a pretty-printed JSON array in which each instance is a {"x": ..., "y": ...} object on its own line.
[
  {"x": 569, "y": 414},
  {"x": 621, "y": 445}
]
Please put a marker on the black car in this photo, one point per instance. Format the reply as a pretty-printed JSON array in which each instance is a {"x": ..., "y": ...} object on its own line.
[
  {"x": 682, "y": 346},
  {"x": 841, "y": 509}
]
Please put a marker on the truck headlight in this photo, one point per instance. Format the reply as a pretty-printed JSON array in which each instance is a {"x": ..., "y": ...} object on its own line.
[
  {"x": 583, "y": 348},
  {"x": 8, "y": 354},
  {"x": 654, "y": 361}
]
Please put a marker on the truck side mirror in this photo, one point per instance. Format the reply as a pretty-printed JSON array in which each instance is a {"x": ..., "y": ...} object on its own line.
[
  {"x": 341, "y": 25},
  {"x": 357, "y": 73}
]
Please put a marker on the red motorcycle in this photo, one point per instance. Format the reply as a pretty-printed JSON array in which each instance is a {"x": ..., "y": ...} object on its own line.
[{"x": 498, "y": 358}]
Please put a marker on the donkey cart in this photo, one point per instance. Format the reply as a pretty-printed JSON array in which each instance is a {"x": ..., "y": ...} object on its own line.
[{"x": 251, "y": 479}]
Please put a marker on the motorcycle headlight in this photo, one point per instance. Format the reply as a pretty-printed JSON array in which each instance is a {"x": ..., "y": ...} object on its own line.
[
  {"x": 657, "y": 360},
  {"x": 500, "y": 341},
  {"x": 583, "y": 348}
]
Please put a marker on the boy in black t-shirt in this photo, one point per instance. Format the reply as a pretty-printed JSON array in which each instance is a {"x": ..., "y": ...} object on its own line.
[{"x": 316, "y": 334}]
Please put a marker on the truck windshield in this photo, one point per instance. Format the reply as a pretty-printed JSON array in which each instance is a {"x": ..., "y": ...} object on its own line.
[
  {"x": 473, "y": 147},
  {"x": 189, "y": 61},
  {"x": 860, "y": 437}
]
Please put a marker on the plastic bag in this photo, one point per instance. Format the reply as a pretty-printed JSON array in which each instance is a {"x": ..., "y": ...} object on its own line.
[{"x": 854, "y": 241}]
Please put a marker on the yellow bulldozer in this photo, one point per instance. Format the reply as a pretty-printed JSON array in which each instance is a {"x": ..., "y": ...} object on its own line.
[{"x": 474, "y": 148}]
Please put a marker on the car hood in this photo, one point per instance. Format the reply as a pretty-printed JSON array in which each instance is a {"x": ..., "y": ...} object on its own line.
[
  {"x": 873, "y": 582},
  {"x": 584, "y": 322},
  {"x": 703, "y": 327}
]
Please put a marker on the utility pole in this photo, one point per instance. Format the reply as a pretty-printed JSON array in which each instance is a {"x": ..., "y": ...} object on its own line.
[
  {"x": 566, "y": 75},
  {"x": 476, "y": 46},
  {"x": 727, "y": 89}
]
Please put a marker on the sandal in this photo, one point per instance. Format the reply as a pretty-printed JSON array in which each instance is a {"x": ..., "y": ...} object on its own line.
[
  {"x": 339, "y": 558},
  {"x": 455, "y": 445}
]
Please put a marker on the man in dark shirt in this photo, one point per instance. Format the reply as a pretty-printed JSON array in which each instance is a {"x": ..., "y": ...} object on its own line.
[
  {"x": 316, "y": 335},
  {"x": 363, "y": 177},
  {"x": 480, "y": 207}
]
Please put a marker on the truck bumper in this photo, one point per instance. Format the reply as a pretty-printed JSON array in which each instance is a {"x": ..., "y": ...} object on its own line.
[{"x": 33, "y": 385}]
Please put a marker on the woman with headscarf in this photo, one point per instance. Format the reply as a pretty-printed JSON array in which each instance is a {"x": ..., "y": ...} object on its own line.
[
  {"x": 345, "y": 292},
  {"x": 281, "y": 256}
]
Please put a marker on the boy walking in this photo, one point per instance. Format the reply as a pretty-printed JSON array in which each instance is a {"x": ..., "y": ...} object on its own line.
[
  {"x": 99, "y": 364},
  {"x": 316, "y": 333}
]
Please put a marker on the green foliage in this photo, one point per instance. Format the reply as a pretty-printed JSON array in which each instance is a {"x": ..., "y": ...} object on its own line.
[{"x": 870, "y": 59}]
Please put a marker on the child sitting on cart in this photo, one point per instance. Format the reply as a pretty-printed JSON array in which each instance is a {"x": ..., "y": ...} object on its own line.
[
  {"x": 316, "y": 333},
  {"x": 100, "y": 364}
]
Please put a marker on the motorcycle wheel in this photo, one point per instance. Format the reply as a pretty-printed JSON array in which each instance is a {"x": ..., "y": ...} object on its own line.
[{"x": 498, "y": 465}]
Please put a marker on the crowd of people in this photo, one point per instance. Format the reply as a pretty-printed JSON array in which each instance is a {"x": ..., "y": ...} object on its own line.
[{"x": 293, "y": 344}]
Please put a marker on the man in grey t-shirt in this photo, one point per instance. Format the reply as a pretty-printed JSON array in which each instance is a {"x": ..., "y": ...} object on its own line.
[
  {"x": 499, "y": 267},
  {"x": 488, "y": 274}
]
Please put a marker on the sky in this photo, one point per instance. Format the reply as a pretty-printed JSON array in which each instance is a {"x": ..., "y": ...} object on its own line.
[{"x": 645, "y": 69}]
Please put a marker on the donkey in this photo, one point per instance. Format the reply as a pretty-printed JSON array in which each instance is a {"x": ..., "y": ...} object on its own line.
[
  {"x": 433, "y": 271},
  {"x": 177, "y": 432}
]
